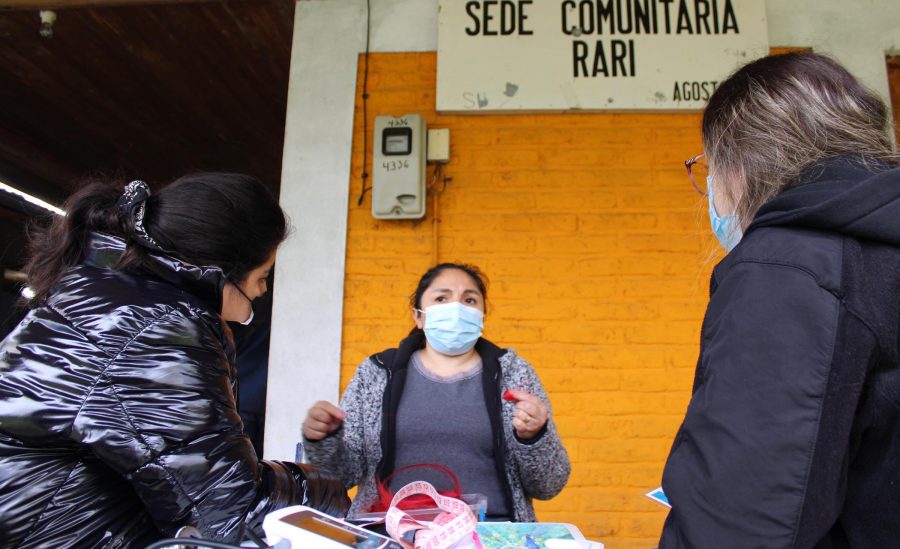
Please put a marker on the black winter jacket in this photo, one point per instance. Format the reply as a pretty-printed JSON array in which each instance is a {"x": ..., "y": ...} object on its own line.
[
  {"x": 118, "y": 422},
  {"x": 792, "y": 435}
]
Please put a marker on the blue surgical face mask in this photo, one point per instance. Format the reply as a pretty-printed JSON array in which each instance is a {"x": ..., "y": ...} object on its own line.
[
  {"x": 725, "y": 227},
  {"x": 452, "y": 328}
]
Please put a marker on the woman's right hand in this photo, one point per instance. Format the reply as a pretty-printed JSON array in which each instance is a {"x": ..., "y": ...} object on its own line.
[{"x": 322, "y": 419}]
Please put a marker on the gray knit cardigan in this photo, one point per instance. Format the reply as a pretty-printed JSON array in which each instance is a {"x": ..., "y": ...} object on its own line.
[{"x": 536, "y": 469}]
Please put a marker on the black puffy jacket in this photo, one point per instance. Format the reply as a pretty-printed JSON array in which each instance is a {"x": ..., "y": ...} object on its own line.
[
  {"x": 118, "y": 422},
  {"x": 792, "y": 436}
]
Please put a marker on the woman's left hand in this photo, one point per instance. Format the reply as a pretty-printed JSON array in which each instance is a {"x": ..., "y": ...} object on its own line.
[{"x": 530, "y": 415}]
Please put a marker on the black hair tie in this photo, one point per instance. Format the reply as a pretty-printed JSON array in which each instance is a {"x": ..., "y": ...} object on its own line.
[{"x": 132, "y": 205}]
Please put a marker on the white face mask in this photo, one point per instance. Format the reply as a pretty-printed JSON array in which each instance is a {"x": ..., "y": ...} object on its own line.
[{"x": 249, "y": 318}]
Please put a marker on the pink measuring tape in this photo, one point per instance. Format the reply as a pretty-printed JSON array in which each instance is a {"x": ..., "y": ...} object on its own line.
[
  {"x": 454, "y": 528},
  {"x": 419, "y": 501}
]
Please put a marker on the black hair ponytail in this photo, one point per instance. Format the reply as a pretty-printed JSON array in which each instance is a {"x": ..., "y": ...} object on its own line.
[
  {"x": 213, "y": 219},
  {"x": 58, "y": 246}
]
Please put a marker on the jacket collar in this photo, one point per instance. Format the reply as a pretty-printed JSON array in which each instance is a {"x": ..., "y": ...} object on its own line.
[
  {"x": 399, "y": 358},
  {"x": 204, "y": 282}
]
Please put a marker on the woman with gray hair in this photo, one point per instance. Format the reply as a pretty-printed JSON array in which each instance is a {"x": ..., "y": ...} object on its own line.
[{"x": 792, "y": 435}]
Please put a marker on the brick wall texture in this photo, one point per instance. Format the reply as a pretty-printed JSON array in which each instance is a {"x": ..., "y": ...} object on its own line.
[{"x": 598, "y": 252}]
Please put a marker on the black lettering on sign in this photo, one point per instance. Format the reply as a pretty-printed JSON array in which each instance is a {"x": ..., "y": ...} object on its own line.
[
  {"x": 605, "y": 13},
  {"x": 522, "y": 17},
  {"x": 600, "y": 60},
  {"x": 471, "y": 8},
  {"x": 566, "y": 6},
  {"x": 666, "y": 15},
  {"x": 587, "y": 18},
  {"x": 488, "y": 16},
  {"x": 623, "y": 51},
  {"x": 701, "y": 16},
  {"x": 694, "y": 91},
  {"x": 684, "y": 19},
  {"x": 579, "y": 58},
  {"x": 612, "y": 17},
  {"x": 644, "y": 18},
  {"x": 729, "y": 20},
  {"x": 498, "y": 17},
  {"x": 507, "y": 18},
  {"x": 616, "y": 60}
]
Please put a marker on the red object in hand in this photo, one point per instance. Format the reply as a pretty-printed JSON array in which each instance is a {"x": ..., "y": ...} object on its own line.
[{"x": 507, "y": 395}]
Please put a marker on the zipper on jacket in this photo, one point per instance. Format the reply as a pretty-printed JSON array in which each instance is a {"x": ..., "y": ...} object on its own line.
[
  {"x": 500, "y": 450},
  {"x": 385, "y": 403}
]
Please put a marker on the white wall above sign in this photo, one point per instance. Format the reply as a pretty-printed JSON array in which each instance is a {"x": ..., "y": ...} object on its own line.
[{"x": 555, "y": 55}]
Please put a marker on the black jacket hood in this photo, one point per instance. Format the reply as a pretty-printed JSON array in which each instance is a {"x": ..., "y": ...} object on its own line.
[{"x": 843, "y": 195}]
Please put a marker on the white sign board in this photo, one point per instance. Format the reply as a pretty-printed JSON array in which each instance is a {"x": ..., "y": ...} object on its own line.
[{"x": 507, "y": 55}]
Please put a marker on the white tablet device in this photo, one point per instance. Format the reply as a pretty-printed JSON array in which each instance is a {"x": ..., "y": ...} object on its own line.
[{"x": 306, "y": 527}]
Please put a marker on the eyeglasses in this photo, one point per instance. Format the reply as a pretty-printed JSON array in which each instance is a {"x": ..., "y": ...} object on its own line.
[{"x": 697, "y": 170}]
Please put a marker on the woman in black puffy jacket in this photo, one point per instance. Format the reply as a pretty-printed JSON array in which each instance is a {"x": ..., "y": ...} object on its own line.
[{"x": 118, "y": 422}]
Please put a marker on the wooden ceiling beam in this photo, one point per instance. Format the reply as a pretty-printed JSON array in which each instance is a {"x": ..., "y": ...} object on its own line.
[
  {"x": 34, "y": 162},
  {"x": 151, "y": 92},
  {"x": 62, "y": 4}
]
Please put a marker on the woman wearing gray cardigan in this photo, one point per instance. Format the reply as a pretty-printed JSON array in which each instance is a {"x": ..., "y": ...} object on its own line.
[{"x": 445, "y": 396}]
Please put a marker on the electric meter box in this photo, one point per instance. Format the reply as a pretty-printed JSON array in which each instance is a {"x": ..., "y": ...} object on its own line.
[{"x": 398, "y": 171}]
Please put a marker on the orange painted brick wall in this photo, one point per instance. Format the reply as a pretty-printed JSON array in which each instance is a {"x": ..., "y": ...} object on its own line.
[{"x": 598, "y": 253}]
